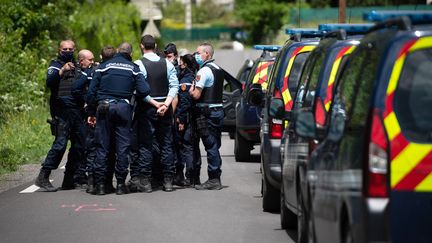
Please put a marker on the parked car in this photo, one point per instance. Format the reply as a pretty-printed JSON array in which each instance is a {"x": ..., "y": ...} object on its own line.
[
  {"x": 247, "y": 116},
  {"x": 316, "y": 85},
  {"x": 232, "y": 95},
  {"x": 283, "y": 82},
  {"x": 369, "y": 179}
]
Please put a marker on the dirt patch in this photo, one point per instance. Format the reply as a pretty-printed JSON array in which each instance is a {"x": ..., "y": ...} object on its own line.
[{"x": 24, "y": 174}]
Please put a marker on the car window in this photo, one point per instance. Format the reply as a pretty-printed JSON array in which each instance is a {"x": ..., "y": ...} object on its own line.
[
  {"x": 413, "y": 95},
  {"x": 313, "y": 81},
  {"x": 297, "y": 68}
]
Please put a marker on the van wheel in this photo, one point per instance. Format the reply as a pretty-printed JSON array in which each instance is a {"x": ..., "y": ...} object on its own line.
[
  {"x": 302, "y": 220},
  {"x": 271, "y": 197},
  {"x": 241, "y": 149},
  {"x": 311, "y": 228},
  {"x": 288, "y": 218},
  {"x": 346, "y": 231}
]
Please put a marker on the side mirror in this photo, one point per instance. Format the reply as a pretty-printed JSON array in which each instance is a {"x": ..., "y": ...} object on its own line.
[
  {"x": 305, "y": 124},
  {"x": 277, "y": 108},
  {"x": 255, "y": 96},
  {"x": 337, "y": 127}
]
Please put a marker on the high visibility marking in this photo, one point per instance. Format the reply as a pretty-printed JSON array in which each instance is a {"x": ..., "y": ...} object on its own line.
[
  {"x": 335, "y": 67},
  {"x": 406, "y": 161},
  {"x": 31, "y": 189},
  {"x": 285, "y": 91},
  {"x": 261, "y": 74},
  {"x": 411, "y": 163},
  {"x": 421, "y": 170}
]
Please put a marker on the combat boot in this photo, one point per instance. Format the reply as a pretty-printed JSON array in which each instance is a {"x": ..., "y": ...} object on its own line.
[
  {"x": 42, "y": 180},
  {"x": 168, "y": 183},
  {"x": 145, "y": 184},
  {"x": 211, "y": 184},
  {"x": 133, "y": 184},
  {"x": 122, "y": 189},
  {"x": 90, "y": 184},
  {"x": 68, "y": 181},
  {"x": 100, "y": 190},
  {"x": 179, "y": 179}
]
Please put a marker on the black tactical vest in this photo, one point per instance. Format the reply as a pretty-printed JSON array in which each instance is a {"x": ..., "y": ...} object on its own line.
[
  {"x": 213, "y": 94},
  {"x": 157, "y": 77},
  {"x": 66, "y": 81}
]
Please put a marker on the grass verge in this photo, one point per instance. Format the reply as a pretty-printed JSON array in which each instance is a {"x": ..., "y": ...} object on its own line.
[{"x": 24, "y": 138}]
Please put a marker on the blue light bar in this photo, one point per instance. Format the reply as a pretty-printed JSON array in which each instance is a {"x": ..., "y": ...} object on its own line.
[
  {"x": 267, "y": 47},
  {"x": 349, "y": 28},
  {"x": 416, "y": 17},
  {"x": 305, "y": 32}
]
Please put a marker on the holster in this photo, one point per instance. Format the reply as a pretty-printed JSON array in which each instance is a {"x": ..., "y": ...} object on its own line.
[
  {"x": 202, "y": 126},
  {"x": 53, "y": 125},
  {"x": 103, "y": 107}
]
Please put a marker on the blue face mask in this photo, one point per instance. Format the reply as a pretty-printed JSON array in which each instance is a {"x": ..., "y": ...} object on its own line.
[{"x": 198, "y": 59}]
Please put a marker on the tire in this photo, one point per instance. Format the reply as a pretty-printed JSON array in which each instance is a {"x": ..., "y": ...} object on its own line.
[
  {"x": 288, "y": 218},
  {"x": 346, "y": 232},
  {"x": 311, "y": 228},
  {"x": 242, "y": 151},
  {"x": 270, "y": 196}
]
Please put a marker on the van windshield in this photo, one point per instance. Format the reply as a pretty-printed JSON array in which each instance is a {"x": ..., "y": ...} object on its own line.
[{"x": 413, "y": 97}]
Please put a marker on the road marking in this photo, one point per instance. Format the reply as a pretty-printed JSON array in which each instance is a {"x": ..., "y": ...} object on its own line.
[{"x": 31, "y": 189}]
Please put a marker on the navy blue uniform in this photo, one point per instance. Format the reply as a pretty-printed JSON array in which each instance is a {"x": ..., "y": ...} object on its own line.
[
  {"x": 186, "y": 141},
  {"x": 66, "y": 103},
  {"x": 111, "y": 89}
]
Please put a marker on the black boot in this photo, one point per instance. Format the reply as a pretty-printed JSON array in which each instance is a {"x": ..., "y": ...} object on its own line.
[
  {"x": 168, "y": 183},
  {"x": 42, "y": 181},
  {"x": 100, "y": 189},
  {"x": 90, "y": 184},
  {"x": 68, "y": 181},
  {"x": 122, "y": 189},
  {"x": 210, "y": 184},
  {"x": 179, "y": 179},
  {"x": 145, "y": 184},
  {"x": 133, "y": 184}
]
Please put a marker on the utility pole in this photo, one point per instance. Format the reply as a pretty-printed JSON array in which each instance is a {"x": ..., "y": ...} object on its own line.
[{"x": 342, "y": 8}]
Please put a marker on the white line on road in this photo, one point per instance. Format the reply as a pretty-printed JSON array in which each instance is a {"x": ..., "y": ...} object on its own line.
[{"x": 31, "y": 189}]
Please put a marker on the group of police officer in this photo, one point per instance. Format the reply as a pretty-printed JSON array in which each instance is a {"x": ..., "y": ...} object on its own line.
[{"x": 147, "y": 116}]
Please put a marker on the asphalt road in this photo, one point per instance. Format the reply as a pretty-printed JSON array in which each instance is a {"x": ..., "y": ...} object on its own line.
[{"x": 232, "y": 214}]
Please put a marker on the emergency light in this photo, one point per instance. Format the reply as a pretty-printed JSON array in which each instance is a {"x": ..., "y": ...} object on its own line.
[
  {"x": 351, "y": 29},
  {"x": 267, "y": 47},
  {"x": 305, "y": 32},
  {"x": 416, "y": 17}
]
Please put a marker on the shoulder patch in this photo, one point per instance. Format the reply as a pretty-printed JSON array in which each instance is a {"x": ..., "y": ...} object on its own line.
[
  {"x": 50, "y": 71},
  {"x": 198, "y": 77}
]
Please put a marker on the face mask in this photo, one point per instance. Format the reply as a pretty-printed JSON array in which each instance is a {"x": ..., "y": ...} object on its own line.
[
  {"x": 66, "y": 56},
  {"x": 198, "y": 59}
]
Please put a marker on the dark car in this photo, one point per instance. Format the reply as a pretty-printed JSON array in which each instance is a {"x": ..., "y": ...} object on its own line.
[
  {"x": 369, "y": 179},
  {"x": 283, "y": 81},
  {"x": 247, "y": 116},
  {"x": 316, "y": 83}
]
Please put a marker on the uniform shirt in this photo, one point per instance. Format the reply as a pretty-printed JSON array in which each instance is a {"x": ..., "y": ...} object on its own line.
[
  {"x": 185, "y": 100},
  {"x": 205, "y": 79},
  {"x": 75, "y": 100},
  {"x": 173, "y": 82},
  {"x": 116, "y": 79}
]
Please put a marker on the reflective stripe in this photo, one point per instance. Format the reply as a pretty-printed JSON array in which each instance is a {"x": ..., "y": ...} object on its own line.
[
  {"x": 56, "y": 68},
  {"x": 209, "y": 105},
  {"x": 122, "y": 68}
]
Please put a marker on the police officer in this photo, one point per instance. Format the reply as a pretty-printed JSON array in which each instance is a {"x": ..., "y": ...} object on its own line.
[
  {"x": 111, "y": 89},
  {"x": 208, "y": 93},
  {"x": 107, "y": 53},
  {"x": 155, "y": 118},
  {"x": 64, "y": 78}
]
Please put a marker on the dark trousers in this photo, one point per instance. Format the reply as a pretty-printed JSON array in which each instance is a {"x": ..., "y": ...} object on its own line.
[
  {"x": 152, "y": 126},
  {"x": 90, "y": 154},
  {"x": 70, "y": 126},
  {"x": 212, "y": 142},
  {"x": 187, "y": 151},
  {"x": 113, "y": 129}
]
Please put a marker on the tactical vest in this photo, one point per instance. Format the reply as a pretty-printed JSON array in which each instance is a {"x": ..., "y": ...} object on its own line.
[
  {"x": 66, "y": 81},
  {"x": 213, "y": 94},
  {"x": 157, "y": 77}
]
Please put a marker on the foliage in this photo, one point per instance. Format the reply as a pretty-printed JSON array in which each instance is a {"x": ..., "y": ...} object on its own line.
[
  {"x": 262, "y": 18},
  {"x": 25, "y": 138},
  {"x": 99, "y": 23},
  {"x": 358, "y": 3}
]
